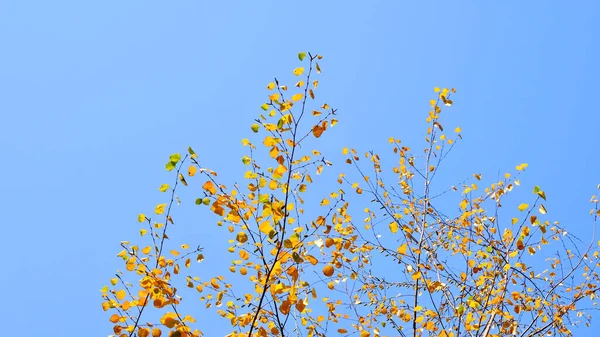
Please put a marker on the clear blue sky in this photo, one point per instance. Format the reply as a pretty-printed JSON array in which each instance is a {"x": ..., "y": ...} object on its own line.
[{"x": 95, "y": 95}]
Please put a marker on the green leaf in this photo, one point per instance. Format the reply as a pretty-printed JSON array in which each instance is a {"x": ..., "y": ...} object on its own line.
[
  {"x": 170, "y": 166},
  {"x": 301, "y": 56},
  {"x": 263, "y": 198},
  {"x": 174, "y": 158},
  {"x": 536, "y": 189},
  {"x": 199, "y": 201},
  {"x": 163, "y": 187},
  {"x": 191, "y": 151}
]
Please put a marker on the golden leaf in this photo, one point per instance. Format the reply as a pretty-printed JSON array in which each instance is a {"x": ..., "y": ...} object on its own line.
[
  {"x": 266, "y": 227},
  {"x": 280, "y": 170},
  {"x": 521, "y": 167},
  {"x": 328, "y": 270},
  {"x": 297, "y": 97},
  {"x": 299, "y": 71},
  {"x": 523, "y": 207},
  {"x": 210, "y": 187},
  {"x": 160, "y": 208},
  {"x": 192, "y": 170}
]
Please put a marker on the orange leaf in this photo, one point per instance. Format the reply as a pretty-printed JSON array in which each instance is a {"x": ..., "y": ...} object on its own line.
[
  {"x": 210, "y": 187},
  {"x": 328, "y": 270},
  {"x": 114, "y": 318},
  {"x": 317, "y": 131}
]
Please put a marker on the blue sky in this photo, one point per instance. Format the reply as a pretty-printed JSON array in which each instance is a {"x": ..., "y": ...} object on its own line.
[{"x": 95, "y": 95}]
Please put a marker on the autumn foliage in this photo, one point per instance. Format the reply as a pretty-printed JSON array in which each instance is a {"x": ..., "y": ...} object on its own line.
[{"x": 385, "y": 252}]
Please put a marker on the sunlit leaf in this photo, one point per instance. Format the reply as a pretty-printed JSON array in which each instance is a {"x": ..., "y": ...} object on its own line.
[
  {"x": 209, "y": 187},
  {"x": 521, "y": 167},
  {"x": 299, "y": 71},
  {"x": 160, "y": 208}
]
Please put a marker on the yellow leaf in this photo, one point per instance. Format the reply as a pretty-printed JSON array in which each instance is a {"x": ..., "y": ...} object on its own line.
[
  {"x": 312, "y": 259},
  {"x": 436, "y": 89},
  {"x": 402, "y": 249},
  {"x": 114, "y": 281},
  {"x": 299, "y": 71},
  {"x": 169, "y": 320},
  {"x": 141, "y": 217},
  {"x": 523, "y": 207},
  {"x": 271, "y": 86},
  {"x": 457, "y": 130},
  {"x": 130, "y": 264},
  {"x": 280, "y": 170},
  {"x": 210, "y": 187},
  {"x": 143, "y": 232},
  {"x": 274, "y": 152},
  {"x": 163, "y": 188},
  {"x": 192, "y": 171},
  {"x": 121, "y": 294},
  {"x": 266, "y": 227},
  {"x": 324, "y": 202},
  {"x": 521, "y": 167},
  {"x": 416, "y": 276},
  {"x": 514, "y": 220},
  {"x": 297, "y": 97},
  {"x": 270, "y": 141},
  {"x": 393, "y": 227},
  {"x": 160, "y": 208}
]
